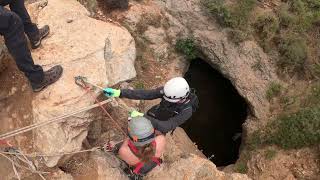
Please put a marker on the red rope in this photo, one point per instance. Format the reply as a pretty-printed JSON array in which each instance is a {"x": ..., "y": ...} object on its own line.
[
  {"x": 4, "y": 142},
  {"x": 88, "y": 89}
]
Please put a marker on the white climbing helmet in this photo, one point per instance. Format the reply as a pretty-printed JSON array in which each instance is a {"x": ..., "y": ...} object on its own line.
[{"x": 176, "y": 89}]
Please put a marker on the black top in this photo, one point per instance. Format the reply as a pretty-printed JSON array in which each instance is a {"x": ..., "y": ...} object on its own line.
[{"x": 165, "y": 116}]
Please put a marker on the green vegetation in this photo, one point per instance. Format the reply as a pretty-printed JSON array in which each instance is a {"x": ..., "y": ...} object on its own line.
[
  {"x": 187, "y": 47},
  {"x": 298, "y": 130},
  {"x": 139, "y": 85},
  {"x": 237, "y": 36},
  {"x": 266, "y": 28},
  {"x": 285, "y": 33},
  {"x": 313, "y": 99},
  {"x": 241, "y": 167},
  {"x": 219, "y": 11},
  {"x": 315, "y": 68},
  {"x": 273, "y": 90},
  {"x": 270, "y": 154},
  {"x": 293, "y": 54},
  {"x": 235, "y": 16}
]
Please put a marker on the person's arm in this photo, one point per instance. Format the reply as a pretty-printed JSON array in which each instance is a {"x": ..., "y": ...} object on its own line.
[
  {"x": 140, "y": 94},
  {"x": 4, "y": 18},
  {"x": 171, "y": 123}
]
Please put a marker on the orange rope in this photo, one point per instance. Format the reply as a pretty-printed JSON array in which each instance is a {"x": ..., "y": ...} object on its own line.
[{"x": 88, "y": 89}]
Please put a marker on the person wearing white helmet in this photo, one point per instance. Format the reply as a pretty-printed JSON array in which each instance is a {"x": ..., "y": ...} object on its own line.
[
  {"x": 142, "y": 150},
  {"x": 176, "y": 107}
]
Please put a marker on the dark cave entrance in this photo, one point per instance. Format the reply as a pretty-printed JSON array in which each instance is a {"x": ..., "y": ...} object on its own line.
[{"x": 216, "y": 127}]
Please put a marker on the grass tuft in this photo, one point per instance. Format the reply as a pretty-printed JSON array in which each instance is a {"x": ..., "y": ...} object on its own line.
[
  {"x": 187, "y": 47},
  {"x": 273, "y": 90}
]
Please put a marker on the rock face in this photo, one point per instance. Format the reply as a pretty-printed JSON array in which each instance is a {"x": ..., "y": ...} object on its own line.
[
  {"x": 102, "y": 52},
  {"x": 182, "y": 160},
  {"x": 103, "y": 166},
  {"x": 293, "y": 164},
  {"x": 235, "y": 62},
  {"x": 246, "y": 65},
  {"x": 192, "y": 167}
]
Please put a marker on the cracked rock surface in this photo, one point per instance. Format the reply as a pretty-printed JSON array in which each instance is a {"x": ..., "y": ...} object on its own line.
[{"x": 78, "y": 43}]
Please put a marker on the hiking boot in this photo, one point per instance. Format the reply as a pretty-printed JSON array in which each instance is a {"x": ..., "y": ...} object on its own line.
[
  {"x": 36, "y": 41},
  {"x": 50, "y": 76}
]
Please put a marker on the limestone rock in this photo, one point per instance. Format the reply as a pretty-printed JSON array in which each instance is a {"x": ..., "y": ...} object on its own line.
[
  {"x": 247, "y": 66},
  {"x": 179, "y": 145},
  {"x": 101, "y": 166},
  {"x": 59, "y": 175},
  {"x": 102, "y": 52},
  {"x": 291, "y": 164},
  {"x": 235, "y": 62},
  {"x": 192, "y": 167},
  {"x": 182, "y": 160}
]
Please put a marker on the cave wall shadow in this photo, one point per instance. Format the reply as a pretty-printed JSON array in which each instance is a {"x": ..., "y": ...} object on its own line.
[{"x": 222, "y": 111}]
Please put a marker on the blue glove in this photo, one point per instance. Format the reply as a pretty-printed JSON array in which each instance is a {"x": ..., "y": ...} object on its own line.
[{"x": 109, "y": 92}]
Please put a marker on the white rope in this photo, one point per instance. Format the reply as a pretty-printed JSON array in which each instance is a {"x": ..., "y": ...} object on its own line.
[
  {"x": 53, "y": 154},
  {"x": 53, "y": 120}
]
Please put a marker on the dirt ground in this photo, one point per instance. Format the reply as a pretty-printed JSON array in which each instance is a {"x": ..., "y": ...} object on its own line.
[
  {"x": 15, "y": 103},
  {"x": 272, "y": 163},
  {"x": 15, "y": 108}
]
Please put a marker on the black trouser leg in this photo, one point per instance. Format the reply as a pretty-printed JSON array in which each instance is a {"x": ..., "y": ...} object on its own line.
[
  {"x": 11, "y": 27},
  {"x": 19, "y": 8}
]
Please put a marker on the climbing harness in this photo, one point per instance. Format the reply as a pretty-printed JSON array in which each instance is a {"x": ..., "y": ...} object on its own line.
[{"x": 140, "y": 164}]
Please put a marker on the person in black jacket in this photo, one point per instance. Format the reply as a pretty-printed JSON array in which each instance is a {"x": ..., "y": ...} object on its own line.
[
  {"x": 176, "y": 106},
  {"x": 14, "y": 24}
]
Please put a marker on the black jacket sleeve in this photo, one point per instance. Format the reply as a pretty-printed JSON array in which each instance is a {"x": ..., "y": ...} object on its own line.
[
  {"x": 142, "y": 94},
  {"x": 172, "y": 123},
  {"x": 4, "y": 19}
]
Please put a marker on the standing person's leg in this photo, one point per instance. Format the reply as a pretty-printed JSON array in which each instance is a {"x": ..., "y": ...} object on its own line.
[
  {"x": 16, "y": 42},
  {"x": 34, "y": 34},
  {"x": 11, "y": 27}
]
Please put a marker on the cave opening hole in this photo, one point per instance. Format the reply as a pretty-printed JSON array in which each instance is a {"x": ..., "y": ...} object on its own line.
[{"x": 216, "y": 126}]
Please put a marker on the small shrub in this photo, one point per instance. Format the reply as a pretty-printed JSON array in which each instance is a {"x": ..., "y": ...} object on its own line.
[
  {"x": 306, "y": 14},
  {"x": 219, "y": 11},
  {"x": 148, "y": 19},
  {"x": 270, "y": 154},
  {"x": 287, "y": 19},
  {"x": 187, "y": 47},
  {"x": 313, "y": 98},
  {"x": 273, "y": 90},
  {"x": 316, "y": 70},
  {"x": 237, "y": 36},
  {"x": 241, "y": 167},
  {"x": 293, "y": 54},
  {"x": 236, "y": 16},
  {"x": 241, "y": 13},
  {"x": 139, "y": 85},
  {"x": 297, "y": 6},
  {"x": 266, "y": 27},
  {"x": 314, "y": 4},
  {"x": 297, "y": 130},
  {"x": 254, "y": 141}
]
